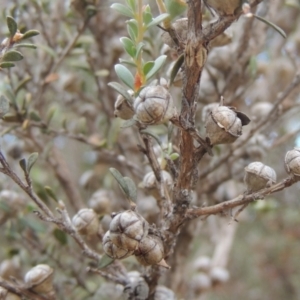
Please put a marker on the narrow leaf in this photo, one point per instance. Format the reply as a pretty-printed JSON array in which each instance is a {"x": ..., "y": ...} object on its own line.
[
  {"x": 158, "y": 20},
  {"x": 12, "y": 25},
  {"x": 129, "y": 46},
  {"x": 6, "y": 65},
  {"x": 31, "y": 160},
  {"x": 132, "y": 195},
  {"x": 60, "y": 236},
  {"x": 22, "y": 84},
  {"x": 127, "y": 62},
  {"x": 23, "y": 164},
  {"x": 157, "y": 66},
  {"x": 24, "y": 45},
  {"x": 174, "y": 156},
  {"x": 4, "y": 106},
  {"x": 50, "y": 193},
  {"x": 105, "y": 261},
  {"x": 175, "y": 8},
  {"x": 271, "y": 24},
  {"x": 30, "y": 33},
  {"x": 120, "y": 180},
  {"x": 132, "y": 4},
  {"x": 147, "y": 67},
  {"x": 12, "y": 56},
  {"x": 176, "y": 68},
  {"x": 122, "y": 9},
  {"x": 125, "y": 75},
  {"x": 132, "y": 29},
  {"x": 121, "y": 90}
]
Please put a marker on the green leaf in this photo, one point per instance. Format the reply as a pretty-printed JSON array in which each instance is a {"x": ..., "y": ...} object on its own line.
[
  {"x": 174, "y": 156},
  {"x": 129, "y": 46},
  {"x": 122, "y": 9},
  {"x": 50, "y": 193},
  {"x": 4, "y": 106},
  {"x": 12, "y": 25},
  {"x": 24, "y": 45},
  {"x": 6, "y": 65},
  {"x": 22, "y": 84},
  {"x": 131, "y": 189},
  {"x": 12, "y": 55},
  {"x": 23, "y": 164},
  {"x": 157, "y": 20},
  {"x": 34, "y": 116},
  {"x": 121, "y": 90},
  {"x": 131, "y": 4},
  {"x": 157, "y": 66},
  {"x": 132, "y": 29},
  {"x": 147, "y": 67},
  {"x": 147, "y": 15},
  {"x": 125, "y": 75},
  {"x": 139, "y": 48},
  {"x": 175, "y": 8},
  {"x": 127, "y": 62},
  {"x": 50, "y": 114},
  {"x": 30, "y": 33},
  {"x": 31, "y": 160},
  {"x": 105, "y": 261},
  {"x": 176, "y": 68},
  {"x": 60, "y": 236},
  {"x": 271, "y": 24},
  {"x": 120, "y": 179}
]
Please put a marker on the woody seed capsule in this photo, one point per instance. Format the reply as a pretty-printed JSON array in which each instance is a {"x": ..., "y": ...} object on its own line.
[
  {"x": 113, "y": 250},
  {"x": 154, "y": 105},
  {"x": 258, "y": 176},
  {"x": 292, "y": 161},
  {"x": 86, "y": 222},
  {"x": 127, "y": 229},
  {"x": 150, "y": 250},
  {"x": 224, "y": 125}
]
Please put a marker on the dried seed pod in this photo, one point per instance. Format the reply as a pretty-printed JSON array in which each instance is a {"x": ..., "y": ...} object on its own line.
[
  {"x": 261, "y": 110},
  {"x": 13, "y": 203},
  {"x": 150, "y": 250},
  {"x": 200, "y": 282},
  {"x": 219, "y": 275},
  {"x": 149, "y": 180},
  {"x": 163, "y": 293},
  {"x": 154, "y": 105},
  {"x": 101, "y": 202},
  {"x": 113, "y": 250},
  {"x": 292, "y": 161},
  {"x": 202, "y": 263},
  {"x": 258, "y": 176},
  {"x": 224, "y": 125},
  {"x": 123, "y": 109},
  {"x": 40, "y": 279},
  {"x": 137, "y": 288},
  {"x": 10, "y": 268},
  {"x": 224, "y": 7},
  {"x": 86, "y": 222},
  {"x": 127, "y": 229}
]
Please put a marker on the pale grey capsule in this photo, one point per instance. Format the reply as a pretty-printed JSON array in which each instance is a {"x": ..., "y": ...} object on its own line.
[
  {"x": 224, "y": 125},
  {"x": 150, "y": 250},
  {"x": 163, "y": 293},
  {"x": 127, "y": 229},
  {"x": 292, "y": 161},
  {"x": 258, "y": 176},
  {"x": 137, "y": 288},
  {"x": 40, "y": 279},
  {"x": 154, "y": 105},
  {"x": 113, "y": 250},
  {"x": 86, "y": 222}
]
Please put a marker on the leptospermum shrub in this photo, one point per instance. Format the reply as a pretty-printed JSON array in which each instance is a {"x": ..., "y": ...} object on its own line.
[{"x": 149, "y": 150}]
